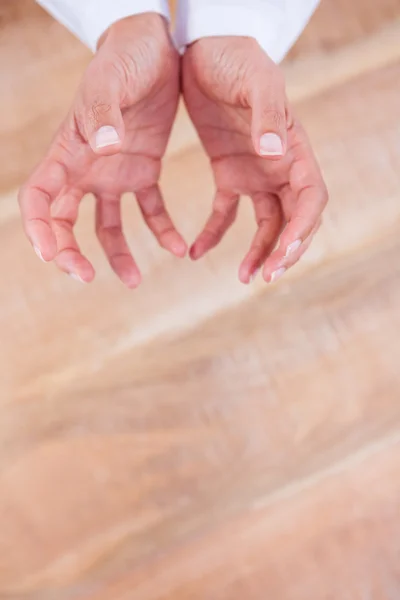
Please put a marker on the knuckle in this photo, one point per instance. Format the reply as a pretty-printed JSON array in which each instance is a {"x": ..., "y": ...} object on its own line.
[
  {"x": 275, "y": 118},
  {"x": 151, "y": 204},
  {"x": 97, "y": 111},
  {"x": 107, "y": 232}
]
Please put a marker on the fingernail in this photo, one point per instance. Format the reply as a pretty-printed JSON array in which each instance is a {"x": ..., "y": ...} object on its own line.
[
  {"x": 38, "y": 253},
  {"x": 293, "y": 247},
  {"x": 271, "y": 145},
  {"x": 277, "y": 274},
  {"x": 77, "y": 278},
  {"x": 107, "y": 136}
]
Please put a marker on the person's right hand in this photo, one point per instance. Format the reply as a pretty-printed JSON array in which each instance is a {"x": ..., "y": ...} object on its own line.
[{"x": 111, "y": 142}]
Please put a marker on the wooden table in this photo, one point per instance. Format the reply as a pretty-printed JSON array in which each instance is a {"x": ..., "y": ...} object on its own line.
[{"x": 198, "y": 439}]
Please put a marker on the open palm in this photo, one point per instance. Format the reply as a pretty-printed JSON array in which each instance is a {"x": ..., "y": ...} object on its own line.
[
  {"x": 235, "y": 96},
  {"x": 112, "y": 142}
]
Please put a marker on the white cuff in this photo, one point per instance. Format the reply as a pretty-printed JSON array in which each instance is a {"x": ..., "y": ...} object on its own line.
[
  {"x": 89, "y": 19},
  {"x": 275, "y": 24}
]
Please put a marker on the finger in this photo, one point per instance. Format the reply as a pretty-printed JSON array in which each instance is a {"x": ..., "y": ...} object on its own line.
[
  {"x": 269, "y": 121},
  {"x": 98, "y": 111},
  {"x": 223, "y": 215},
  {"x": 306, "y": 213},
  {"x": 269, "y": 220},
  {"x": 276, "y": 267},
  {"x": 155, "y": 214},
  {"x": 305, "y": 197},
  {"x": 295, "y": 255},
  {"x": 113, "y": 242},
  {"x": 35, "y": 199},
  {"x": 69, "y": 257}
]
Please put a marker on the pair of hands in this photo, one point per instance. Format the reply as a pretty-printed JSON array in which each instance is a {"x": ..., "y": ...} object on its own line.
[{"x": 115, "y": 137}]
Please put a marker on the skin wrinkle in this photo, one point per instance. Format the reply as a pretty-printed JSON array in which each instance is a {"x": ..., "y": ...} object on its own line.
[
  {"x": 97, "y": 111},
  {"x": 234, "y": 95},
  {"x": 245, "y": 92},
  {"x": 142, "y": 109}
]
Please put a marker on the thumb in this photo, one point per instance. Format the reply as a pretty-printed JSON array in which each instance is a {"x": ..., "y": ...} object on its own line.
[
  {"x": 269, "y": 123},
  {"x": 99, "y": 115}
]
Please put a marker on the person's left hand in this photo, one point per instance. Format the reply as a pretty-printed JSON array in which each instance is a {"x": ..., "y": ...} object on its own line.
[{"x": 236, "y": 98}]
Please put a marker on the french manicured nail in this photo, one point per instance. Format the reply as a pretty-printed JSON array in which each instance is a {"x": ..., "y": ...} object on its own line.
[
  {"x": 38, "y": 253},
  {"x": 107, "y": 136},
  {"x": 77, "y": 278},
  {"x": 271, "y": 145},
  {"x": 293, "y": 247},
  {"x": 277, "y": 274}
]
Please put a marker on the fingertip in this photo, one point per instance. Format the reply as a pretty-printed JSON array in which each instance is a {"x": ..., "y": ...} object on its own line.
[
  {"x": 132, "y": 281},
  {"x": 192, "y": 253},
  {"x": 132, "y": 285},
  {"x": 106, "y": 141},
  {"x": 42, "y": 238},
  {"x": 77, "y": 278},
  {"x": 266, "y": 274},
  {"x": 86, "y": 275},
  {"x": 244, "y": 274},
  {"x": 270, "y": 146},
  {"x": 125, "y": 268},
  {"x": 173, "y": 242},
  {"x": 195, "y": 253},
  {"x": 81, "y": 270},
  {"x": 39, "y": 254},
  {"x": 273, "y": 271},
  {"x": 278, "y": 274},
  {"x": 292, "y": 248},
  {"x": 179, "y": 248},
  {"x": 132, "y": 278},
  {"x": 89, "y": 276},
  {"x": 46, "y": 250}
]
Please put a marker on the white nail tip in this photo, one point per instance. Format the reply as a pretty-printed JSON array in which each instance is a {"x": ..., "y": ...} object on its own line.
[
  {"x": 271, "y": 145},
  {"x": 107, "y": 136},
  {"x": 38, "y": 253},
  {"x": 76, "y": 277},
  {"x": 277, "y": 275},
  {"x": 263, "y": 153},
  {"x": 293, "y": 247}
]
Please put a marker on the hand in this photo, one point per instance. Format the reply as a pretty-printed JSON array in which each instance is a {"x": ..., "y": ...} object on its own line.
[
  {"x": 236, "y": 98},
  {"x": 112, "y": 142}
]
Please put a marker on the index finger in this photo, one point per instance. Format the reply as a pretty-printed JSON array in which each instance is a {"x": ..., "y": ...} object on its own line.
[
  {"x": 35, "y": 199},
  {"x": 309, "y": 191}
]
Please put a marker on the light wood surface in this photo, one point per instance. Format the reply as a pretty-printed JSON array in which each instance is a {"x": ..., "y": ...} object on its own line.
[{"x": 198, "y": 439}]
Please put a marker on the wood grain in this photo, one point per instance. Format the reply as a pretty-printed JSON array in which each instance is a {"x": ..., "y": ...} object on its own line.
[{"x": 201, "y": 439}]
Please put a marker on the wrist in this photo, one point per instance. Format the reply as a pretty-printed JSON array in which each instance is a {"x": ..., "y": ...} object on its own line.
[
  {"x": 226, "y": 41},
  {"x": 149, "y": 24}
]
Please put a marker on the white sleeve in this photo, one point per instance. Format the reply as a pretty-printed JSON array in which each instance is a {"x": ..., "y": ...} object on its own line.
[
  {"x": 89, "y": 19},
  {"x": 275, "y": 24}
]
